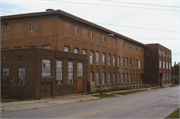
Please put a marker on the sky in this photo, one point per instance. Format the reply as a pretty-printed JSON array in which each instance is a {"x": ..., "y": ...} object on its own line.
[{"x": 147, "y": 21}]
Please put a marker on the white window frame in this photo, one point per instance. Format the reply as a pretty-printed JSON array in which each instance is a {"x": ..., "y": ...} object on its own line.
[
  {"x": 70, "y": 72},
  {"x": 5, "y": 30},
  {"x": 80, "y": 69},
  {"x": 76, "y": 50},
  {"x": 84, "y": 51},
  {"x": 66, "y": 49},
  {"x": 109, "y": 59},
  {"x": 92, "y": 35},
  {"x": 31, "y": 27},
  {"x": 104, "y": 58},
  {"x": 91, "y": 57},
  {"x": 76, "y": 30},
  {"x": 46, "y": 67},
  {"x": 118, "y": 61},
  {"x": 139, "y": 64},
  {"x": 59, "y": 76}
]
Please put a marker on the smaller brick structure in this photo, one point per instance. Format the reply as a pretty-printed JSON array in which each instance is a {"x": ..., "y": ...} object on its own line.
[{"x": 35, "y": 85}]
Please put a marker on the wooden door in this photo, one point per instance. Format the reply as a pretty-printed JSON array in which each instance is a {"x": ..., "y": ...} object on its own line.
[
  {"x": 46, "y": 88},
  {"x": 79, "y": 85}
]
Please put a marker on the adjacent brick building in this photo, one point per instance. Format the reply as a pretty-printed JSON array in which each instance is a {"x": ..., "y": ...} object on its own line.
[{"x": 75, "y": 40}]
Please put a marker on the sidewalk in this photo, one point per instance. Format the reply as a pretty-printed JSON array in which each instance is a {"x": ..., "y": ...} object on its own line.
[{"x": 33, "y": 104}]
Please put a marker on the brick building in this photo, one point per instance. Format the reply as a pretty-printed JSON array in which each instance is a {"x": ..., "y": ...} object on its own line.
[{"x": 76, "y": 41}]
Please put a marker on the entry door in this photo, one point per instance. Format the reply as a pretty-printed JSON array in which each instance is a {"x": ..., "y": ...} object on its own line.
[
  {"x": 46, "y": 88},
  {"x": 79, "y": 85}
]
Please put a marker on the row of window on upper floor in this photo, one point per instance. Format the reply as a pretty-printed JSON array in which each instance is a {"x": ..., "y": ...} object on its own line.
[{"x": 150, "y": 52}]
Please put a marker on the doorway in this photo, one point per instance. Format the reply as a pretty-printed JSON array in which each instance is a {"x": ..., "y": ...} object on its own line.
[
  {"x": 79, "y": 85},
  {"x": 46, "y": 89}
]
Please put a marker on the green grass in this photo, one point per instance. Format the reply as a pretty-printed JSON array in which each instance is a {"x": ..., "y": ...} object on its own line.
[
  {"x": 6, "y": 100},
  {"x": 175, "y": 114},
  {"x": 157, "y": 87},
  {"x": 104, "y": 95},
  {"x": 174, "y": 85},
  {"x": 128, "y": 92}
]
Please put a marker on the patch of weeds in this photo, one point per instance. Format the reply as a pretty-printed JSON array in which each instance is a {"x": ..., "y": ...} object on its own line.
[
  {"x": 128, "y": 92},
  {"x": 104, "y": 95},
  {"x": 175, "y": 114},
  {"x": 6, "y": 100},
  {"x": 174, "y": 85}
]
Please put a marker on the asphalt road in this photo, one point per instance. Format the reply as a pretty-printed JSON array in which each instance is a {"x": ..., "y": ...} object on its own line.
[{"x": 157, "y": 103}]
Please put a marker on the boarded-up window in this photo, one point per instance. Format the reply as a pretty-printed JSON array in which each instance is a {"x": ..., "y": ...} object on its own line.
[
  {"x": 58, "y": 72},
  {"x": 70, "y": 72},
  {"x": 46, "y": 67},
  {"x": 79, "y": 69}
]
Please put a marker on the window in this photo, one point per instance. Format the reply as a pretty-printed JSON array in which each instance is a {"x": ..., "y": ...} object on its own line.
[
  {"x": 76, "y": 50},
  {"x": 118, "y": 61},
  {"x": 5, "y": 30},
  {"x": 164, "y": 76},
  {"x": 160, "y": 64},
  {"x": 150, "y": 63},
  {"x": 123, "y": 61},
  {"x": 122, "y": 44},
  {"x": 84, "y": 51},
  {"x": 91, "y": 57},
  {"x": 97, "y": 58},
  {"x": 5, "y": 76},
  {"x": 104, "y": 39},
  {"x": 21, "y": 76},
  {"x": 129, "y": 62},
  {"x": 136, "y": 63},
  {"x": 104, "y": 78},
  {"x": 109, "y": 78},
  {"x": 160, "y": 53},
  {"x": 163, "y": 53},
  {"x": 123, "y": 77},
  {"x": 114, "y": 60},
  {"x": 46, "y": 67},
  {"x": 70, "y": 72},
  {"x": 136, "y": 48},
  {"x": 126, "y": 77},
  {"x": 166, "y": 65},
  {"x": 136, "y": 77},
  {"x": 97, "y": 78},
  {"x": 76, "y": 30},
  {"x": 167, "y": 76},
  {"x": 133, "y": 77},
  {"x": 114, "y": 78},
  {"x": 91, "y": 76},
  {"x": 114, "y": 42},
  {"x": 163, "y": 65},
  {"x": 130, "y": 76},
  {"x": 104, "y": 58},
  {"x": 150, "y": 52},
  {"x": 133, "y": 63},
  {"x": 118, "y": 77},
  {"x": 91, "y": 34},
  {"x": 58, "y": 72},
  {"x": 66, "y": 49},
  {"x": 139, "y": 64},
  {"x": 109, "y": 59},
  {"x": 126, "y": 62},
  {"x": 169, "y": 56},
  {"x": 79, "y": 69},
  {"x": 46, "y": 46},
  {"x": 31, "y": 27},
  {"x": 130, "y": 47},
  {"x": 169, "y": 65}
]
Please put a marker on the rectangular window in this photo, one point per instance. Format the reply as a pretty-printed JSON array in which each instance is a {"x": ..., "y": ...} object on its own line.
[
  {"x": 134, "y": 77},
  {"x": 130, "y": 47},
  {"x": 136, "y": 63},
  {"x": 70, "y": 72},
  {"x": 46, "y": 67},
  {"x": 126, "y": 62},
  {"x": 139, "y": 64},
  {"x": 126, "y": 77},
  {"x": 169, "y": 65},
  {"x": 84, "y": 52},
  {"x": 104, "y": 58},
  {"x": 123, "y": 61},
  {"x": 160, "y": 64},
  {"x": 5, "y": 30},
  {"x": 91, "y": 76},
  {"x": 166, "y": 65},
  {"x": 118, "y": 77},
  {"x": 150, "y": 52},
  {"x": 163, "y": 65},
  {"x": 46, "y": 46},
  {"x": 123, "y": 77},
  {"x": 114, "y": 60},
  {"x": 76, "y": 30},
  {"x": 164, "y": 76},
  {"x": 114, "y": 42},
  {"x": 31, "y": 27},
  {"x": 58, "y": 72},
  {"x": 97, "y": 58},
  {"x": 129, "y": 62},
  {"x": 104, "y": 78},
  {"x": 79, "y": 69},
  {"x": 97, "y": 78},
  {"x": 91, "y": 57},
  {"x": 66, "y": 49},
  {"x": 114, "y": 78},
  {"x": 118, "y": 61},
  {"x": 5, "y": 76},
  {"x": 133, "y": 63},
  {"x": 104, "y": 39},
  {"x": 130, "y": 76},
  {"x": 109, "y": 59},
  {"x": 122, "y": 44},
  {"x": 76, "y": 50},
  {"x": 163, "y": 54},
  {"x": 21, "y": 76},
  {"x": 91, "y": 34},
  {"x": 160, "y": 53},
  {"x": 109, "y": 78}
]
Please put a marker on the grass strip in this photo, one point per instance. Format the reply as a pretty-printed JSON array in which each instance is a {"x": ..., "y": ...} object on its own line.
[
  {"x": 104, "y": 95},
  {"x": 175, "y": 114},
  {"x": 128, "y": 92},
  {"x": 6, "y": 100}
]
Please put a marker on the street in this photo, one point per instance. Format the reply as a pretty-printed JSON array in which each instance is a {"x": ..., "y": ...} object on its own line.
[{"x": 157, "y": 103}]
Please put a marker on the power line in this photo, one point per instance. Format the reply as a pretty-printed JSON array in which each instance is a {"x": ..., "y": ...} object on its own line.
[{"x": 111, "y": 5}]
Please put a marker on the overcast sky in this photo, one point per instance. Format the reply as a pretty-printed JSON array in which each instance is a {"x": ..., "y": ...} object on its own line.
[{"x": 147, "y": 21}]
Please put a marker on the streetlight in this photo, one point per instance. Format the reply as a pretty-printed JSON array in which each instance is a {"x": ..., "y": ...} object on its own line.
[{"x": 100, "y": 60}]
